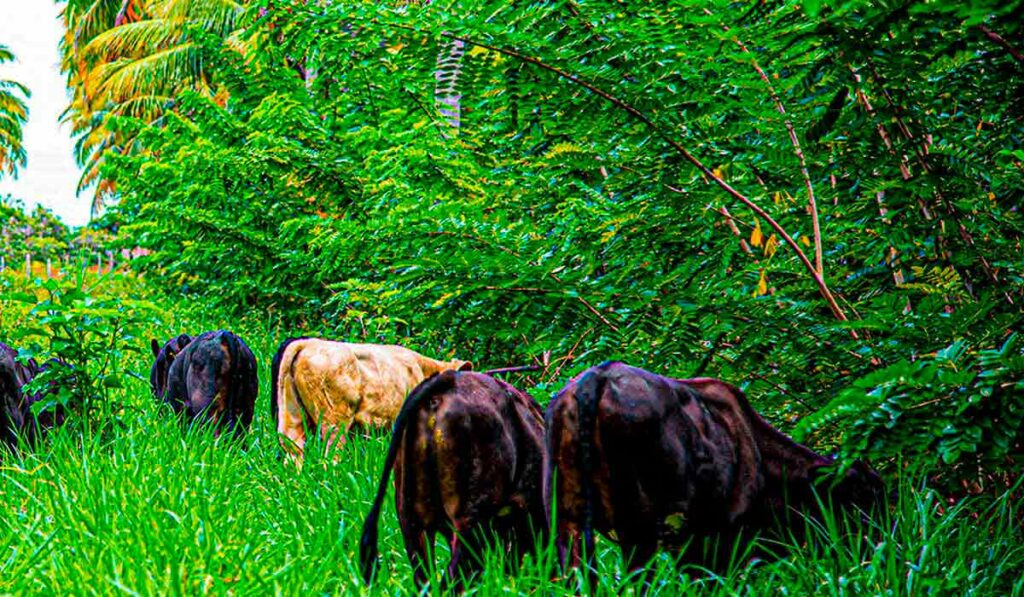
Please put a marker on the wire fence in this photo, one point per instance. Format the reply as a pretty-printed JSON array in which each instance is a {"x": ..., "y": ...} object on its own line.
[{"x": 100, "y": 262}]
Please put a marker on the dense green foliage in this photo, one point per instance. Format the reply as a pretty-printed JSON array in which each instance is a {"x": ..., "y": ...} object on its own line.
[{"x": 504, "y": 181}]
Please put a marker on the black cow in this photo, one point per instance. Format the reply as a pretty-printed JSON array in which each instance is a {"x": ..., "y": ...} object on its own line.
[
  {"x": 468, "y": 456},
  {"x": 212, "y": 376},
  {"x": 16, "y": 415},
  {"x": 13, "y": 376},
  {"x": 654, "y": 460}
]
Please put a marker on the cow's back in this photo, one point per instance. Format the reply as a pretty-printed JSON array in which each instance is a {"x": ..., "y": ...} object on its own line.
[
  {"x": 664, "y": 461},
  {"x": 215, "y": 376},
  {"x": 647, "y": 456},
  {"x": 341, "y": 382}
]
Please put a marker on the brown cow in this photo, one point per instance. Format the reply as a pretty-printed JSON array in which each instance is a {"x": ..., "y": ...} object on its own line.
[
  {"x": 337, "y": 385},
  {"x": 654, "y": 460},
  {"x": 468, "y": 454},
  {"x": 212, "y": 376}
]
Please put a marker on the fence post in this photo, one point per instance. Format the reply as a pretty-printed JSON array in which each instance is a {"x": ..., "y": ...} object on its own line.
[
  {"x": 99, "y": 263},
  {"x": 49, "y": 272},
  {"x": 110, "y": 254},
  {"x": 28, "y": 265}
]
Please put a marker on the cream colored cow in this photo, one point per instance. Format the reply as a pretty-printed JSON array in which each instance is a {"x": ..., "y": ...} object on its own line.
[{"x": 334, "y": 385}]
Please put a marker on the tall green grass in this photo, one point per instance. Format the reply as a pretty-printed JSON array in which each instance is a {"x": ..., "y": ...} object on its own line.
[{"x": 145, "y": 506}]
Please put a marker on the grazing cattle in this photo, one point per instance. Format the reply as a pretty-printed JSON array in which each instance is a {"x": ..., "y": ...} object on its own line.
[
  {"x": 16, "y": 416},
  {"x": 337, "y": 385},
  {"x": 212, "y": 376},
  {"x": 468, "y": 456},
  {"x": 653, "y": 460}
]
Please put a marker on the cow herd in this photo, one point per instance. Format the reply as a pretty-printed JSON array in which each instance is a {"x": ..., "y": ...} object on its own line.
[{"x": 646, "y": 460}]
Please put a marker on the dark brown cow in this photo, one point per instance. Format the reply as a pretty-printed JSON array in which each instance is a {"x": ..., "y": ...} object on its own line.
[
  {"x": 16, "y": 415},
  {"x": 653, "y": 460},
  {"x": 468, "y": 456},
  {"x": 212, "y": 376}
]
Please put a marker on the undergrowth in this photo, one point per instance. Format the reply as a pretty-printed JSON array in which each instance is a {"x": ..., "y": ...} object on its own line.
[{"x": 145, "y": 506}]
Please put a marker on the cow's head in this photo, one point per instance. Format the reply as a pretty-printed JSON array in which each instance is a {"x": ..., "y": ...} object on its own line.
[
  {"x": 165, "y": 356},
  {"x": 859, "y": 487}
]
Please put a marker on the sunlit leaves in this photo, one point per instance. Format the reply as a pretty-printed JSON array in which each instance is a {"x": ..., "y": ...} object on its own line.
[{"x": 13, "y": 116}]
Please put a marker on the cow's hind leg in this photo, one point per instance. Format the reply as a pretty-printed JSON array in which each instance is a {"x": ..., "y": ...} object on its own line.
[
  {"x": 416, "y": 541},
  {"x": 467, "y": 549},
  {"x": 522, "y": 537},
  {"x": 568, "y": 541},
  {"x": 292, "y": 422},
  {"x": 638, "y": 552}
]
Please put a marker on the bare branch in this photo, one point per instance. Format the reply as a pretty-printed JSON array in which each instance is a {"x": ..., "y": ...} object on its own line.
[
  {"x": 812, "y": 204},
  {"x": 999, "y": 39}
]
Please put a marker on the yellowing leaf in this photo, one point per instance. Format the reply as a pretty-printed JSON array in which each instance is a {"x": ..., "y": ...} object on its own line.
[
  {"x": 395, "y": 48},
  {"x": 717, "y": 172},
  {"x": 443, "y": 299},
  {"x": 771, "y": 245},
  {"x": 762, "y": 285},
  {"x": 476, "y": 51},
  {"x": 805, "y": 241},
  {"x": 756, "y": 236},
  {"x": 561, "y": 149}
]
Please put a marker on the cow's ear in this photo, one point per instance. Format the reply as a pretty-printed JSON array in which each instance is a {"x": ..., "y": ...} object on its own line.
[
  {"x": 184, "y": 339},
  {"x": 466, "y": 366},
  {"x": 155, "y": 346}
]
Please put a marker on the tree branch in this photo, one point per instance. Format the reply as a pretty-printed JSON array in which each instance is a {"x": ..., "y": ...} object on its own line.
[
  {"x": 992, "y": 35},
  {"x": 819, "y": 281},
  {"x": 811, "y": 203}
]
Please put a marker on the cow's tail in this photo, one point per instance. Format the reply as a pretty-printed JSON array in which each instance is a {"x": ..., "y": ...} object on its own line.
[
  {"x": 588, "y": 393},
  {"x": 241, "y": 369},
  {"x": 275, "y": 376},
  {"x": 434, "y": 385}
]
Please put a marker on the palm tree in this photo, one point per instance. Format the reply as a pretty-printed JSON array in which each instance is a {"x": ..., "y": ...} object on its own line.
[
  {"x": 130, "y": 58},
  {"x": 13, "y": 115}
]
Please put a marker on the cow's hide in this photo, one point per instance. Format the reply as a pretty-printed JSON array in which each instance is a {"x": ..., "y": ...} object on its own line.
[
  {"x": 653, "y": 460},
  {"x": 468, "y": 455},
  {"x": 16, "y": 416},
  {"x": 163, "y": 357},
  {"x": 335, "y": 385},
  {"x": 209, "y": 377},
  {"x": 12, "y": 415}
]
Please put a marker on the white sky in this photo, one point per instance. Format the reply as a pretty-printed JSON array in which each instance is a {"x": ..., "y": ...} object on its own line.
[{"x": 31, "y": 30}]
